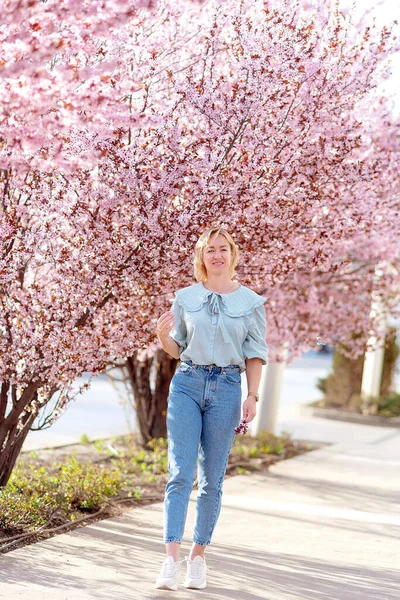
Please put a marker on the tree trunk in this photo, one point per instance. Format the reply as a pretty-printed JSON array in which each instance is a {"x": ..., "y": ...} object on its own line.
[
  {"x": 343, "y": 385},
  {"x": 14, "y": 426},
  {"x": 150, "y": 380}
]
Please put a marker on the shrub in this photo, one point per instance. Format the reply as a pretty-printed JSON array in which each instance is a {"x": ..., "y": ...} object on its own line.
[
  {"x": 389, "y": 406},
  {"x": 34, "y": 496},
  {"x": 321, "y": 384}
]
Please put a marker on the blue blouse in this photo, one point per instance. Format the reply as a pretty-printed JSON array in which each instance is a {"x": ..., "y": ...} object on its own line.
[{"x": 221, "y": 329}]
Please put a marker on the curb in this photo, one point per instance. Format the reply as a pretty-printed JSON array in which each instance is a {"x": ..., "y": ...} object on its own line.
[{"x": 340, "y": 415}]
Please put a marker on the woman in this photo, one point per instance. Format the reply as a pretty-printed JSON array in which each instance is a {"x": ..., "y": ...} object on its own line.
[{"x": 217, "y": 328}]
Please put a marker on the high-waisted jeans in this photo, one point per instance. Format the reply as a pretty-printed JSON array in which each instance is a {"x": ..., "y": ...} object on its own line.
[{"x": 204, "y": 407}]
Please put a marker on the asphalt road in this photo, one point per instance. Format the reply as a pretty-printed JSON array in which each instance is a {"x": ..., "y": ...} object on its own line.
[{"x": 101, "y": 411}]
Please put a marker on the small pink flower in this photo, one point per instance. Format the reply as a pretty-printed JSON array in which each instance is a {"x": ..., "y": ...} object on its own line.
[{"x": 242, "y": 427}]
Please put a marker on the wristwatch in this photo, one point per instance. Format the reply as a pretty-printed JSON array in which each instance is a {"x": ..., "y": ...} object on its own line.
[{"x": 255, "y": 394}]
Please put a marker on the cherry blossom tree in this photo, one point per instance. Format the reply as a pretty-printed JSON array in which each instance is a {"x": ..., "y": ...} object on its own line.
[
  {"x": 314, "y": 207},
  {"x": 332, "y": 301},
  {"x": 142, "y": 130}
]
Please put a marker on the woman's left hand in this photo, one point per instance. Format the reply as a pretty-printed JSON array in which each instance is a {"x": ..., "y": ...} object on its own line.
[{"x": 249, "y": 408}]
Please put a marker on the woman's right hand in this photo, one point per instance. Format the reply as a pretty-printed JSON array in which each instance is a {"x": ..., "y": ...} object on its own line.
[{"x": 165, "y": 323}]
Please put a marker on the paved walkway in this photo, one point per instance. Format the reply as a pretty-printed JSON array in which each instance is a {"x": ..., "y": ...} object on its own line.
[{"x": 322, "y": 526}]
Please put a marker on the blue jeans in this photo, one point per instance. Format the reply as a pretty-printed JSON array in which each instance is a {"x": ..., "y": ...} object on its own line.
[{"x": 204, "y": 407}]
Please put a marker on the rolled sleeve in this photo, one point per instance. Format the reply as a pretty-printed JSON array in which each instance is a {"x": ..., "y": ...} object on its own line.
[
  {"x": 255, "y": 346},
  {"x": 178, "y": 333}
]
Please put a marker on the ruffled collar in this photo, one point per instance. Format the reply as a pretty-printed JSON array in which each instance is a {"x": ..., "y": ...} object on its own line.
[{"x": 239, "y": 303}]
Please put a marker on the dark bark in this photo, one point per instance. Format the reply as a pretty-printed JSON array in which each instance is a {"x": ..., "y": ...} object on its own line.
[
  {"x": 151, "y": 405},
  {"x": 16, "y": 421},
  {"x": 14, "y": 428},
  {"x": 3, "y": 399}
]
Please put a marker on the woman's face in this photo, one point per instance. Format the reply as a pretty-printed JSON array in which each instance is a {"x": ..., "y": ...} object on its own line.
[{"x": 217, "y": 255}]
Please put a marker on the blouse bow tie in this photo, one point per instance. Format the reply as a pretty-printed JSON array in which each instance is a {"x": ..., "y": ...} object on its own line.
[{"x": 214, "y": 309}]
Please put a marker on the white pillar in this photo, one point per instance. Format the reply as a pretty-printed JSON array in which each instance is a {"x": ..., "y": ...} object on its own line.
[
  {"x": 372, "y": 372},
  {"x": 270, "y": 394},
  {"x": 373, "y": 360}
]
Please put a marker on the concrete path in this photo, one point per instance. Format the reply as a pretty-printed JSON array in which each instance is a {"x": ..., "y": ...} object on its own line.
[{"x": 322, "y": 526}]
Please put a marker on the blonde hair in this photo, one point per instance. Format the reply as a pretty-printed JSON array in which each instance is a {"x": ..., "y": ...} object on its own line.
[{"x": 200, "y": 271}]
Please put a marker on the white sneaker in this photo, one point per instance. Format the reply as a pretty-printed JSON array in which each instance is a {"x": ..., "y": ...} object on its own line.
[
  {"x": 196, "y": 573},
  {"x": 169, "y": 576}
]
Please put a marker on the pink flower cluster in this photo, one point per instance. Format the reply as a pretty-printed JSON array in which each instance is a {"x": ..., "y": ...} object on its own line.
[{"x": 242, "y": 427}]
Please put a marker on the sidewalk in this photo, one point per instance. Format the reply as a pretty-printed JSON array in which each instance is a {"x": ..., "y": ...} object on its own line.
[{"x": 322, "y": 526}]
